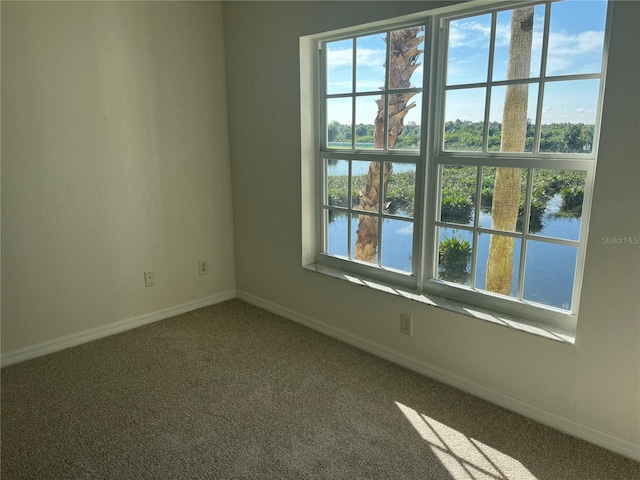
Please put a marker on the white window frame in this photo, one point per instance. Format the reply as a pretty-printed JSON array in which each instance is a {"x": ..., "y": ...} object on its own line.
[
  {"x": 432, "y": 156},
  {"x": 415, "y": 157}
]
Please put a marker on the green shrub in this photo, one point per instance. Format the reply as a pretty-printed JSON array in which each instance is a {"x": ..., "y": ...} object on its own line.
[
  {"x": 454, "y": 253},
  {"x": 456, "y": 207},
  {"x": 572, "y": 197}
]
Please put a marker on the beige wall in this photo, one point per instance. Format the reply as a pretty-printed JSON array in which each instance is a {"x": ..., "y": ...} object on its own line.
[
  {"x": 114, "y": 161},
  {"x": 595, "y": 384}
]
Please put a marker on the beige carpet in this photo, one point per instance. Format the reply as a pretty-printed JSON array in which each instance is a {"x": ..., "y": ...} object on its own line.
[{"x": 233, "y": 392}]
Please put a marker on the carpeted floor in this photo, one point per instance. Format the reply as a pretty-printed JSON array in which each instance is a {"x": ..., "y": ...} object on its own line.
[{"x": 233, "y": 392}]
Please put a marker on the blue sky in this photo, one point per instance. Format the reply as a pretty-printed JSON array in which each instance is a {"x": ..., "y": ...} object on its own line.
[{"x": 575, "y": 46}]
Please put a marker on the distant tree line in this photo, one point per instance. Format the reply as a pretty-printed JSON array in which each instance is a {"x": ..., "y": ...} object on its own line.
[
  {"x": 340, "y": 133},
  {"x": 467, "y": 136},
  {"x": 554, "y": 137}
]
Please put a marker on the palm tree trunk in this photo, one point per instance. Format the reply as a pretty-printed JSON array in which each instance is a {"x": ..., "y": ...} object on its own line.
[
  {"x": 404, "y": 52},
  {"x": 506, "y": 194}
]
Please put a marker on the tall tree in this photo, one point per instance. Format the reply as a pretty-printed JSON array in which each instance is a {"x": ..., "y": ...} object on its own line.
[
  {"x": 403, "y": 56},
  {"x": 506, "y": 194}
]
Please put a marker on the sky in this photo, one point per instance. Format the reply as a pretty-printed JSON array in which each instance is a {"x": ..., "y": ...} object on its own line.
[{"x": 576, "y": 38}]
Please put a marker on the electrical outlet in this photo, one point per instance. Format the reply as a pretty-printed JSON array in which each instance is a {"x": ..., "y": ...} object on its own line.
[
  {"x": 149, "y": 279},
  {"x": 203, "y": 267},
  {"x": 406, "y": 325}
]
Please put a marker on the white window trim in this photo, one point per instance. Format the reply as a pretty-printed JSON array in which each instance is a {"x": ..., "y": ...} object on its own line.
[
  {"x": 546, "y": 321},
  {"x": 502, "y": 319}
]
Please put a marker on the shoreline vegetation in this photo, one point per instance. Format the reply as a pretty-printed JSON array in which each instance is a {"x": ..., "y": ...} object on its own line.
[{"x": 459, "y": 193}]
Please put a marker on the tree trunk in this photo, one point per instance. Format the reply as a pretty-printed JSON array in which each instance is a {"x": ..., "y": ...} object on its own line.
[
  {"x": 404, "y": 53},
  {"x": 506, "y": 194}
]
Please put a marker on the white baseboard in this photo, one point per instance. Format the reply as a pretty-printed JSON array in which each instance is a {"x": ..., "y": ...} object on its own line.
[
  {"x": 74, "y": 339},
  {"x": 576, "y": 429}
]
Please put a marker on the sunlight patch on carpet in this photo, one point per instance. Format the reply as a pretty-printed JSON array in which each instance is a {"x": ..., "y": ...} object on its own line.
[{"x": 465, "y": 458}]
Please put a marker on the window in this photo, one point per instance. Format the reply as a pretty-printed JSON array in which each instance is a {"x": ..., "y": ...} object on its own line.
[
  {"x": 456, "y": 152},
  {"x": 370, "y": 147}
]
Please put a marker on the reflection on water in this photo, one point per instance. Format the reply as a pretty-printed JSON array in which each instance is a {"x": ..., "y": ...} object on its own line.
[{"x": 550, "y": 268}]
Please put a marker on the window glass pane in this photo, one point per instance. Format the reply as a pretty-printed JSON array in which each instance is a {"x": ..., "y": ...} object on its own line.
[
  {"x": 397, "y": 244},
  {"x": 458, "y": 197},
  {"x": 405, "y": 62},
  {"x": 498, "y": 264},
  {"x": 339, "y": 123},
  {"x": 339, "y": 66},
  {"x": 468, "y": 52},
  {"x": 549, "y": 274},
  {"x": 404, "y": 124},
  {"x": 503, "y": 192},
  {"x": 569, "y": 116},
  {"x": 464, "y": 119},
  {"x": 513, "y": 130},
  {"x": 337, "y": 182},
  {"x": 336, "y": 228},
  {"x": 556, "y": 203},
  {"x": 364, "y": 238},
  {"x": 359, "y": 174},
  {"x": 576, "y": 37},
  {"x": 371, "y": 52},
  {"x": 454, "y": 255},
  {"x": 503, "y": 43},
  {"x": 367, "y": 110},
  {"x": 401, "y": 190}
]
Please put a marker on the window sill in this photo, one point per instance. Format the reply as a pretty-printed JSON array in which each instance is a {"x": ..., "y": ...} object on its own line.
[{"x": 491, "y": 316}]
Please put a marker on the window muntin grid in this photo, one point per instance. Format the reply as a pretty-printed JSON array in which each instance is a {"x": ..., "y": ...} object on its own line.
[{"x": 433, "y": 156}]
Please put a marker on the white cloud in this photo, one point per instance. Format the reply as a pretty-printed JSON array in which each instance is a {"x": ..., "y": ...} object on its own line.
[
  {"x": 574, "y": 53},
  {"x": 585, "y": 115},
  {"x": 335, "y": 86},
  {"x": 567, "y": 53},
  {"x": 468, "y": 33},
  {"x": 339, "y": 58},
  {"x": 503, "y": 34},
  {"x": 561, "y": 43},
  {"x": 366, "y": 57},
  {"x": 370, "y": 84},
  {"x": 405, "y": 230}
]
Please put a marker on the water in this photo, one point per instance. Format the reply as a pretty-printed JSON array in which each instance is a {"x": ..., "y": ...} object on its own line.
[
  {"x": 549, "y": 268},
  {"x": 360, "y": 167}
]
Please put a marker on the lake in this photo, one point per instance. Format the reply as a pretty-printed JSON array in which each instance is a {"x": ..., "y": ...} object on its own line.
[{"x": 550, "y": 268}]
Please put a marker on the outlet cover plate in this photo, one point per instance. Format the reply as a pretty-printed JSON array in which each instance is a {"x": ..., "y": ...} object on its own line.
[
  {"x": 406, "y": 324},
  {"x": 203, "y": 267},
  {"x": 149, "y": 278}
]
